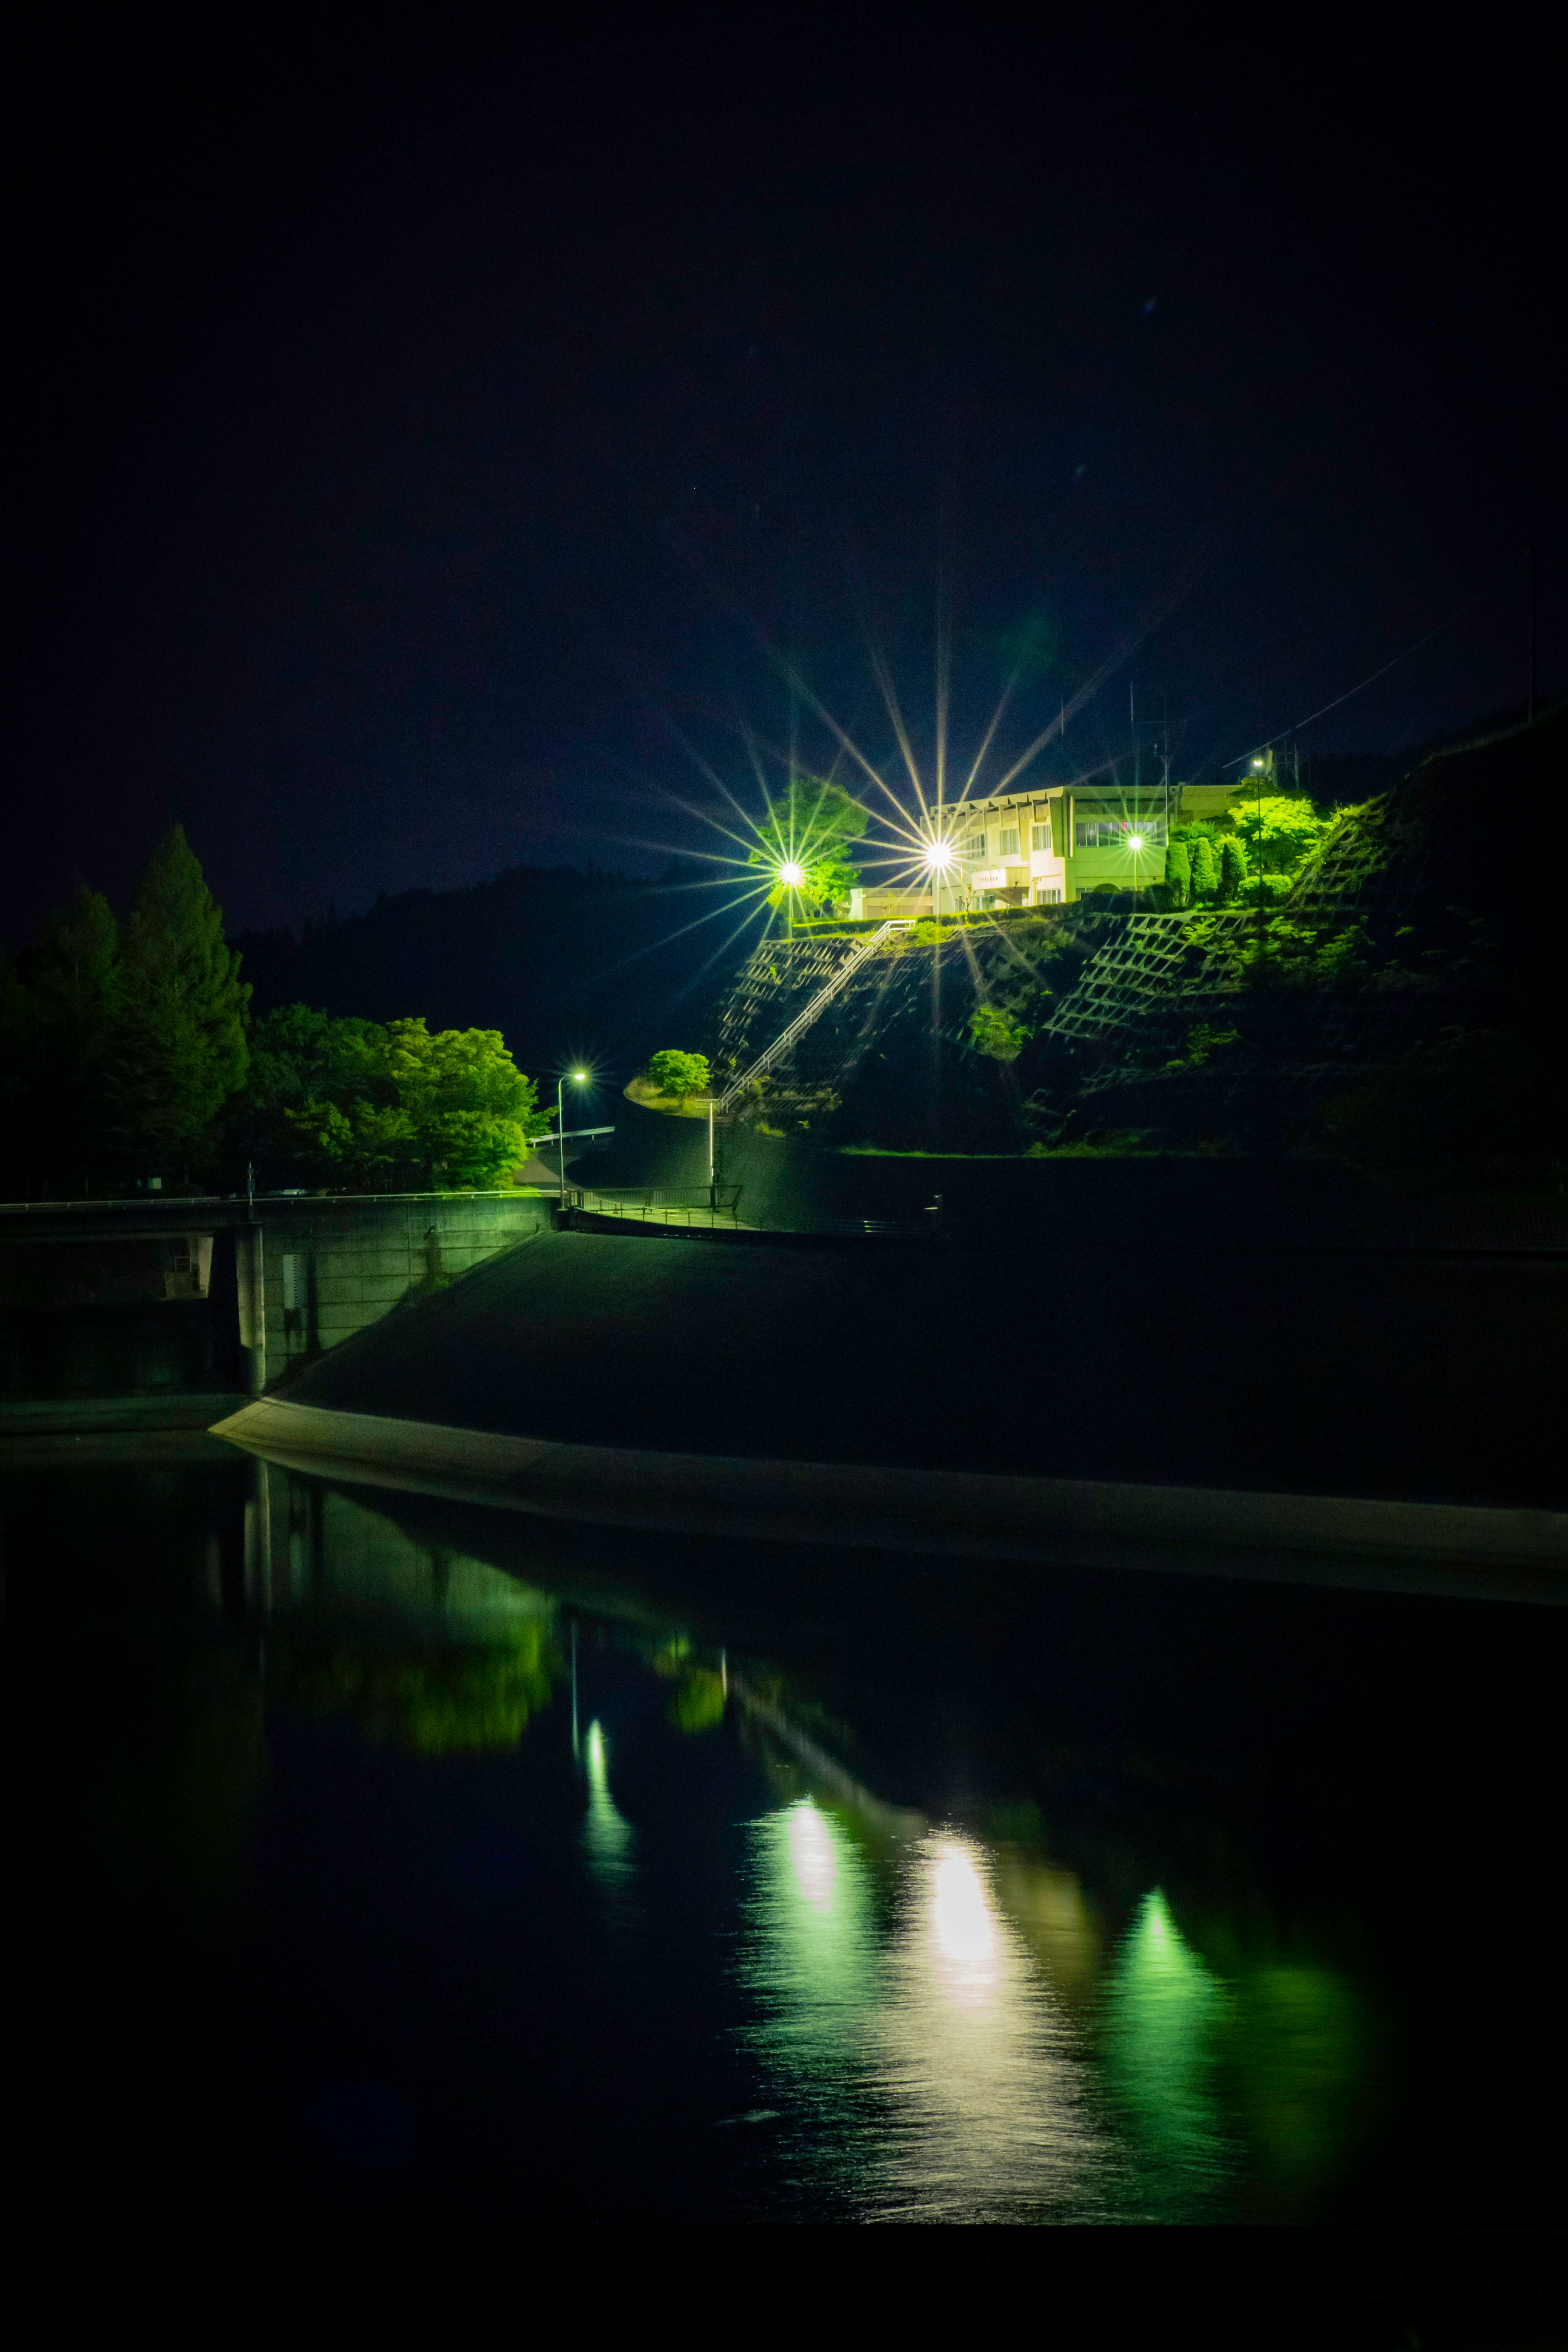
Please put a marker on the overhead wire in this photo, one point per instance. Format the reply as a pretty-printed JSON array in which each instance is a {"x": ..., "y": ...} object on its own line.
[{"x": 1346, "y": 696}]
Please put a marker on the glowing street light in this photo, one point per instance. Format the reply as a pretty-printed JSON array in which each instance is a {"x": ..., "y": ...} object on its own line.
[
  {"x": 1135, "y": 842},
  {"x": 936, "y": 857},
  {"x": 792, "y": 875},
  {"x": 578, "y": 1079}
]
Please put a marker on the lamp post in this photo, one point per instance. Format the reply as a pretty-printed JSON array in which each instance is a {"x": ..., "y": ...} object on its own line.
[
  {"x": 937, "y": 857},
  {"x": 791, "y": 874},
  {"x": 578, "y": 1079}
]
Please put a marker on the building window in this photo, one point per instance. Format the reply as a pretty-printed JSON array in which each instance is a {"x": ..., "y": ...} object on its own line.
[
  {"x": 1048, "y": 897},
  {"x": 1009, "y": 841},
  {"x": 1039, "y": 836},
  {"x": 1111, "y": 833},
  {"x": 974, "y": 846}
]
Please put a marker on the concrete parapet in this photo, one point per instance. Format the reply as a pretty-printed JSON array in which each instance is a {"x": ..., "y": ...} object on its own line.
[
  {"x": 353, "y": 1261},
  {"x": 281, "y": 1279}
]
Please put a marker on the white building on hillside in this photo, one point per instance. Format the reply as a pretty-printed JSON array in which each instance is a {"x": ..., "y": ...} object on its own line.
[{"x": 1044, "y": 848}]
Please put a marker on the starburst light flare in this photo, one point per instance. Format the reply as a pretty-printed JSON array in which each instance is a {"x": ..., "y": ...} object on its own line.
[{"x": 789, "y": 858}]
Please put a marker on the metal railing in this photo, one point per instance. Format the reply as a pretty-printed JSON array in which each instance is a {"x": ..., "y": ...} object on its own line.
[
  {"x": 660, "y": 1204},
  {"x": 707, "y": 1205},
  {"x": 803, "y": 1020}
]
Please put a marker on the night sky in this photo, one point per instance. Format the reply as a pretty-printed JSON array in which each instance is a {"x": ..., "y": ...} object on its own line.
[{"x": 423, "y": 425}]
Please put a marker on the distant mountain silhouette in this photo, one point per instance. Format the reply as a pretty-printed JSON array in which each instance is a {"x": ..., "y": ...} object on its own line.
[{"x": 567, "y": 965}]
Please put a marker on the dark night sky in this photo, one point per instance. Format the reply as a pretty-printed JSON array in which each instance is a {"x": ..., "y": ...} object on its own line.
[{"x": 417, "y": 420}]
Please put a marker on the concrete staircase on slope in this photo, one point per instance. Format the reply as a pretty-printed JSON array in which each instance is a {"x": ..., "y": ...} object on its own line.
[{"x": 861, "y": 953}]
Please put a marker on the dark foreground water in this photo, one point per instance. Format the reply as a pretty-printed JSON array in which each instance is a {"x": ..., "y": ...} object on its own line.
[{"x": 382, "y": 1856}]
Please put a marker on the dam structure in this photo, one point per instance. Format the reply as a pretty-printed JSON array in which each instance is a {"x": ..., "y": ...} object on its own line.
[
  {"x": 898, "y": 1326},
  {"x": 819, "y": 1390},
  {"x": 159, "y": 1312}
]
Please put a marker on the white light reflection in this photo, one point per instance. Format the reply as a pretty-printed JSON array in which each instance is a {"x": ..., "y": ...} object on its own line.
[
  {"x": 607, "y": 1832},
  {"x": 811, "y": 1851},
  {"x": 810, "y": 1965},
  {"x": 990, "y": 2069},
  {"x": 969, "y": 1950},
  {"x": 929, "y": 2071}
]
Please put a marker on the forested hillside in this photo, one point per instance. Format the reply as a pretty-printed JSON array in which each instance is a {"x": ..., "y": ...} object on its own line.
[
  {"x": 1400, "y": 1006},
  {"x": 566, "y": 965}
]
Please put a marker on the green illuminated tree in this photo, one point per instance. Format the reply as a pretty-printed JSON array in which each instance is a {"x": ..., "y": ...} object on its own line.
[
  {"x": 373, "y": 1105},
  {"x": 810, "y": 825},
  {"x": 680, "y": 1076},
  {"x": 997, "y": 1034},
  {"x": 1279, "y": 831},
  {"x": 1178, "y": 873},
  {"x": 1205, "y": 871},
  {"x": 469, "y": 1107},
  {"x": 1232, "y": 867},
  {"x": 179, "y": 1046}
]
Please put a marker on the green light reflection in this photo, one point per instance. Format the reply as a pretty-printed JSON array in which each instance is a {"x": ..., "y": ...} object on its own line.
[
  {"x": 928, "y": 2071},
  {"x": 1308, "y": 2077},
  {"x": 814, "y": 1958},
  {"x": 607, "y": 1832},
  {"x": 1163, "y": 2017}
]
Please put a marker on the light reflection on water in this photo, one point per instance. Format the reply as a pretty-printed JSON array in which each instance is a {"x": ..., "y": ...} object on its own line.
[
  {"x": 1164, "y": 2016},
  {"x": 607, "y": 1832},
  {"x": 904, "y": 2018},
  {"x": 931, "y": 2071}
]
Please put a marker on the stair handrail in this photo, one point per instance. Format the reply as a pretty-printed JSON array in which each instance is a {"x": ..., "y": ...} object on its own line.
[{"x": 804, "y": 1019}]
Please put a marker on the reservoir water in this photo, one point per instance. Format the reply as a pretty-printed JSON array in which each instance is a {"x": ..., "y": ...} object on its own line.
[{"x": 383, "y": 1856}]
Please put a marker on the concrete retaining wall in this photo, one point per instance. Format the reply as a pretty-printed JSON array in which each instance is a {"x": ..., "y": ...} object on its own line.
[
  {"x": 331, "y": 1267},
  {"x": 1146, "y": 1205},
  {"x": 91, "y": 1335}
]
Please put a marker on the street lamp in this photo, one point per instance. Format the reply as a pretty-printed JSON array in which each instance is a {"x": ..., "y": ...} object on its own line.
[
  {"x": 789, "y": 875},
  {"x": 936, "y": 857},
  {"x": 578, "y": 1079}
]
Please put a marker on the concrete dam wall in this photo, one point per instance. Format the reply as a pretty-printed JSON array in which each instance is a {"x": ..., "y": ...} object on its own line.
[
  {"x": 883, "y": 1395},
  {"x": 146, "y": 1305}
]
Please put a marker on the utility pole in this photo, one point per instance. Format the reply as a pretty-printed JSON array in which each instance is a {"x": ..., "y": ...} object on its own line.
[
  {"x": 1532, "y": 631},
  {"x": 1262, "y": 927}
]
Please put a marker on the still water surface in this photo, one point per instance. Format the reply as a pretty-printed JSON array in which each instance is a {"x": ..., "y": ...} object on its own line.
[{"x": 384, "y": 1855}]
